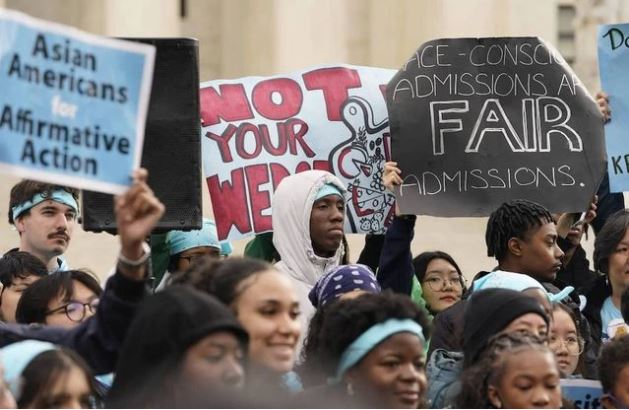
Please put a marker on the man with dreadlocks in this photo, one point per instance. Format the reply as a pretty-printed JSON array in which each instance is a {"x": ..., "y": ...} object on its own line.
[{"x": 522, "y": 236}]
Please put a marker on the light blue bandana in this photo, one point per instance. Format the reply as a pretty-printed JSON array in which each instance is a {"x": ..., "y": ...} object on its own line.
[
  {"x": 179, "y": 241},
  {"x": 367, "y": 341},
  {"x": 60, "y": 195}
]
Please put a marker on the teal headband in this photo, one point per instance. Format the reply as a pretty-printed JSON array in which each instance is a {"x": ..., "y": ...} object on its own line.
[
  {"x": 370, "y": 339},
  {"x": 328, "y": 189},
  {"x": 179, "y": 241},
  {"x": 60, "y": 195},
  {"x": 518, "y": 282}
]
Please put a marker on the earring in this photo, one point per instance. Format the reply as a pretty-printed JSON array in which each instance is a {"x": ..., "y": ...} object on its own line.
[{"x": 350, "y": 389}]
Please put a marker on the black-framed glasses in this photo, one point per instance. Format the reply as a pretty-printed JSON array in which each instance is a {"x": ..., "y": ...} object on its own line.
[
  {"x": 437, "y": 283},
  {"x": 75, "y": 311},
  {"x": 574, "y": 345},
  {"x": 198, "y": 256}
]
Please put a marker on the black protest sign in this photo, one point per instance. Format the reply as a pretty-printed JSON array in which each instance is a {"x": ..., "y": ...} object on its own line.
[{"x": 476, "y": 122}]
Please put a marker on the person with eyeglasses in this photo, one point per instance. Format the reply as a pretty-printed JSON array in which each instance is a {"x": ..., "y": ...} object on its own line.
[
  {"x": 565, "y": 341},
  {"x": 98, "y": 339},
  {"x": 441, "y": 280},
  {"x": 64, "y": 299},
  {"x": 186, "y": 247}
]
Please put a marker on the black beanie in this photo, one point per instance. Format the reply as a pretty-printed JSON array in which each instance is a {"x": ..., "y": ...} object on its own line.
[
  {"x": 488, "y": 312},
  {"x": 164, "y": 327}
]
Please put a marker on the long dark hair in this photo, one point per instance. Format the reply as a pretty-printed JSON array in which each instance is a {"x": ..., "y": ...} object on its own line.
[
  {"x": 421, "y": 262},
  {"x": 44, "y": 371}
]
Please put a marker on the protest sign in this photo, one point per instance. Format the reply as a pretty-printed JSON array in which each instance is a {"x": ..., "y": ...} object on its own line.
[
  {"x": 476, "y": 122},
  {"x": 613, "y": 63},
  {"x": 258, "y": 130},
  {"x": 585, "y": 394},
  {"x": 73, "y": 105}
]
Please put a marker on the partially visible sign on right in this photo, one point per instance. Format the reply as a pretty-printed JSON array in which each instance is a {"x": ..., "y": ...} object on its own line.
[
  {"x": 585, "y": 394},
  {"x": 613, "y": 63}
]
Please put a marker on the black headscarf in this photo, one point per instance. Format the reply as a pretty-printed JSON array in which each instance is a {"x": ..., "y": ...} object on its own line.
[
  {"x": 488, "y": 312},
  {"x": 166, "y": 325}
]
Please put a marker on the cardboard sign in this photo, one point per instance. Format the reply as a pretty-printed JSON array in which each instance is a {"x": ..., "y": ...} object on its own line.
[
  {"x": 257, "y": 131},
  {"x": 476, "y": 122},
  {"x": 585, "y": 394},
  {"x": 73, "y": 105},
  {"x": 613, "y": 63}
]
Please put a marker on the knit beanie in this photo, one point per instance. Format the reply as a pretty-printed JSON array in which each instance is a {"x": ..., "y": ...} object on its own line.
[{"x": 488, "y": 312}]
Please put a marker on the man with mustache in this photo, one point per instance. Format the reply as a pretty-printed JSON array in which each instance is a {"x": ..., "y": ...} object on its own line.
[{"x": 44, "y": 216}]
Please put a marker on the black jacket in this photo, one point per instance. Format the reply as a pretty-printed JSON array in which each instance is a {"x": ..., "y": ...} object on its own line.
[
  {"x": 596, "y": 294},
  {"x": 99, "y": 339}
]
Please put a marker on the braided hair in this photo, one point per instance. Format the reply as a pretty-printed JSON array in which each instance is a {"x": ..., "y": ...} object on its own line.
[
  {"x": 512, "y": 219},
  {"x": 491, "y": 367}
]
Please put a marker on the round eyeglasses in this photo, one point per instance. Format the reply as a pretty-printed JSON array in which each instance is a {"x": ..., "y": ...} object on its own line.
[
  {"x": 437, "y": 283},
  {"x": 76, "y": 311},
  {"x": 574, "y": 345}
]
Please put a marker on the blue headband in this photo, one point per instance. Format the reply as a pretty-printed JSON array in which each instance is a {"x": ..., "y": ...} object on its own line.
[
  {"x": 328, "y": 189},
  {"x": 60, "y": 195},
  {"x": 179, "y": 241},
  {"x": 518, "y": 282},
  {"x": 370, "y": 339},
  {"x": 16, "y": 356}
]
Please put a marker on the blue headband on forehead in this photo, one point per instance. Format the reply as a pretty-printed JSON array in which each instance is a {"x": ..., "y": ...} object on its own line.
[
  {"x": 371, "y": 338},
  {"x": 517, "y": 282},
  {"x": 179, "y": 241},
  {"x": 328, "y": 189},
  {"x": 60, "y": 195}
]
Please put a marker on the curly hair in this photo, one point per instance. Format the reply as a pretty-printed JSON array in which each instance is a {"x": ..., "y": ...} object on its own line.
[
  {"x": 488, "y": 370},
  {"x": 346, "y": 320},
  {"x": 513, "y": 219},
  {"x": 613, "y": 358}
]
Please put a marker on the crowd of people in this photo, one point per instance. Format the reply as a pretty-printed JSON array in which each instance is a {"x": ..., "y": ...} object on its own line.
[{"x": 293, "y": 324}]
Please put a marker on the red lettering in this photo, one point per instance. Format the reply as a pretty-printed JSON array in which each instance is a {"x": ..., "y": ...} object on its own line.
[
  {"x": 259, "y": 200},
  {"x": 230, "y": 104},
  {"x": 289, "y": 92},
  {"x": 302, "y": 166},
  {"x": 278, "y": 172},
  {"x": 278, "y": 150},
  {"x": 322, "y": 165},
  {"x": 223, "y": 142},
  {"x": 240, "y": 141},
  {"x": 297, "y": 136},
  {"x": 229, "y": 202},
  {"x": 334, "y": 82}
]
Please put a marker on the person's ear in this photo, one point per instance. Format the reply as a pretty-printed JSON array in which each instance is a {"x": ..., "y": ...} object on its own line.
[
  {"x": 494, "y": 397},
  {"x": 19, "y": 224},
  {"x": 514, "y": 246}
]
